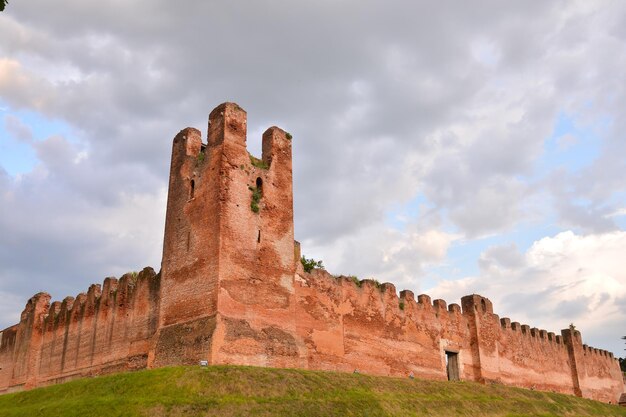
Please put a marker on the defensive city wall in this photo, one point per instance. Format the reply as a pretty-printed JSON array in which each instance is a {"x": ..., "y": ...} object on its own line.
[{"x": 232, "y": 290}]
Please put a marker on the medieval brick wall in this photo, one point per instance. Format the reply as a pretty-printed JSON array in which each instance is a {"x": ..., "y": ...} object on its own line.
[
  {"x": 535, "y": 356},
  {"x": 366, "y": 326},
  {"x": 231, "y": 290},
  {"x": 598, "y": 376},
  {"x": 99, "y": 332}
]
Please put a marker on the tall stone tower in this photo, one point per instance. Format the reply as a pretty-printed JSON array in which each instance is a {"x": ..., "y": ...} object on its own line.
[{"x": 228, "y": 254}]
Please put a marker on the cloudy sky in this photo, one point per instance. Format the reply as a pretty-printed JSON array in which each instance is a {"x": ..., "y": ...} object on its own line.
[{"x": 448, "y": 147}]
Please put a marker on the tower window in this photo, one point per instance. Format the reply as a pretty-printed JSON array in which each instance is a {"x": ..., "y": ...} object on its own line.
[
  {"x": 193, "y": 189},
  {"x": 259, "y": 185}
]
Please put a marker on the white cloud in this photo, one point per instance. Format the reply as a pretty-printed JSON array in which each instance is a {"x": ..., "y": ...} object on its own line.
[
  {"x": 21, "y": 88},
  {"x": 398, "y": 256},
  {"x": 560, "y": 279}
]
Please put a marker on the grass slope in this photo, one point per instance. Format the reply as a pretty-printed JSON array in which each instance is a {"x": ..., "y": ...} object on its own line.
[{"x": 248, "y": 391}]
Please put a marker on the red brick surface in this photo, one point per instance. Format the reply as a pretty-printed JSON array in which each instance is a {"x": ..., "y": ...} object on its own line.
[
  {"x": 232, "y": 291},
  {"x": 94, "y": 333}
]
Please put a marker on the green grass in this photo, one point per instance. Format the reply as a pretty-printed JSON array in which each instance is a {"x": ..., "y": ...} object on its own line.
[{"x": 248, "y": 391}]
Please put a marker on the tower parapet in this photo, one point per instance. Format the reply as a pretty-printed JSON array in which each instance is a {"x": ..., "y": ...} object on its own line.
[{"x": 228, "y": 254}]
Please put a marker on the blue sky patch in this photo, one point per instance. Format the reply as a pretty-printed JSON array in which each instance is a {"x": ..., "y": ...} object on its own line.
[
  {"x": 18, "y": 156},
  {"x": 572, "y": 145}
]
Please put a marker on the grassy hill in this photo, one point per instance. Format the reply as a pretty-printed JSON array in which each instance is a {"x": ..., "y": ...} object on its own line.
[{"x": 248, "y": 391}]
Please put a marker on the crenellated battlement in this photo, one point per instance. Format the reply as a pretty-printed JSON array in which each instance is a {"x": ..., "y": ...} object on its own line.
[
  {"x": 505, "y": 351},
  {"x": 115, "y": 292},
  {"x": 232, "y": 290},
  {"x": 91, "y": 333}
]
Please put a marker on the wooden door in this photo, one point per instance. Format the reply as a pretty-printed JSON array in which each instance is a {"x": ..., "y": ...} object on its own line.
[{"x": 452, "y": 363}]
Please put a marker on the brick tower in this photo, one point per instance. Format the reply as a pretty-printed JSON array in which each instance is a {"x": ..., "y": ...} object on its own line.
[{"x": 228, "y": 254}]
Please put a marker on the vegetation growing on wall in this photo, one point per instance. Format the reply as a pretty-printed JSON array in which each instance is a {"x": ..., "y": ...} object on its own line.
[
  {"x": 377, "y": 283},
  {"x": 355, "y": 279},
  {"x": 259, "y": 163},
  {"x": 256, "y": 198},
  {"x": 310, "y": 264}
]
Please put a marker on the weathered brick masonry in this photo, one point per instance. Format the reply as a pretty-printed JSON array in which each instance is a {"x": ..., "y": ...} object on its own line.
[{"x": 232, "y": 291}]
